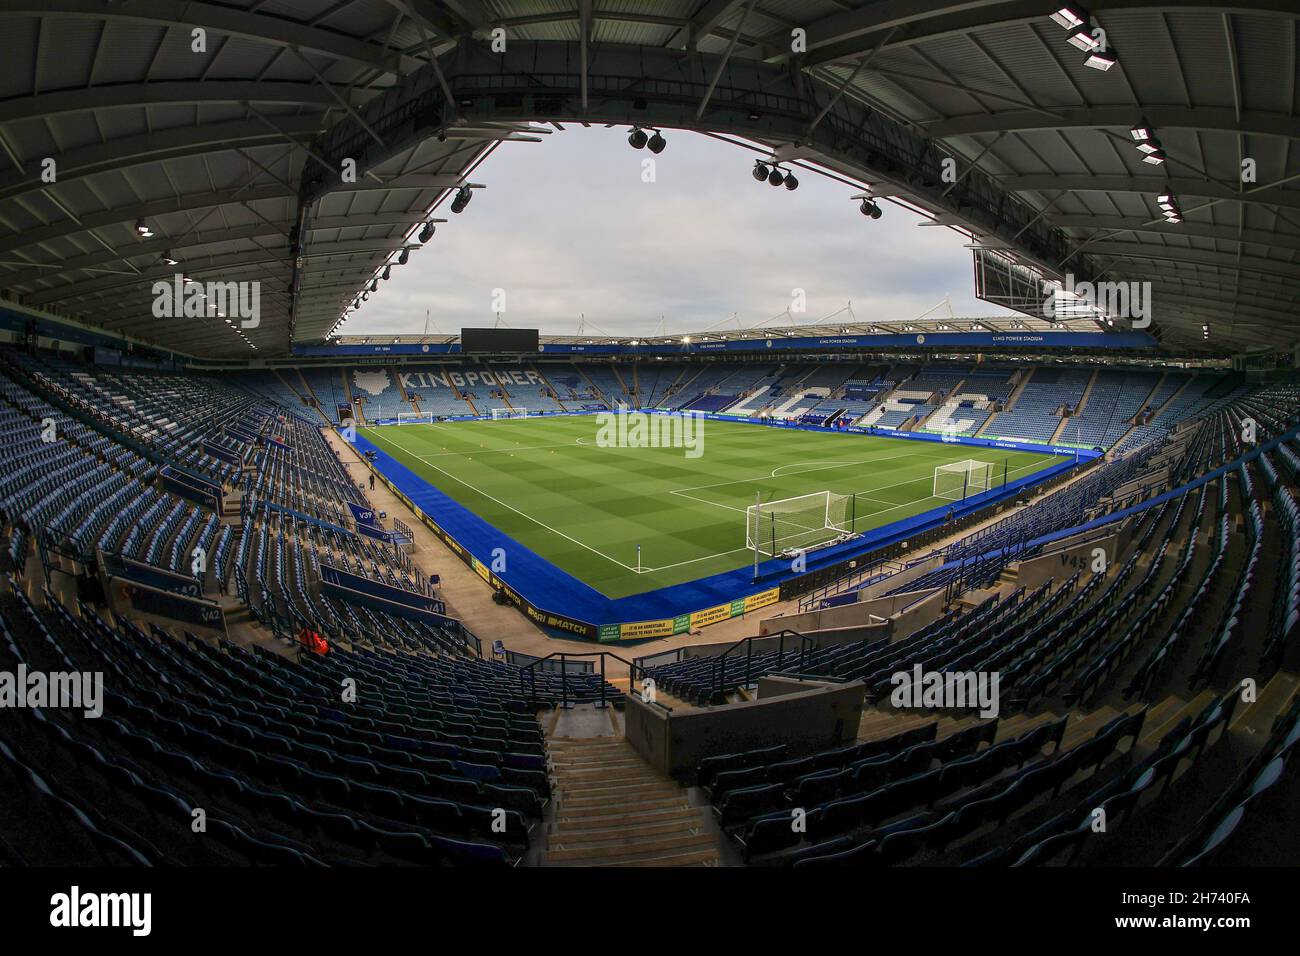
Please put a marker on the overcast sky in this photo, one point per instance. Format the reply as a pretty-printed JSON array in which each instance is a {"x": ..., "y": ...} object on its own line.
[{"x": 567, "y": 227}]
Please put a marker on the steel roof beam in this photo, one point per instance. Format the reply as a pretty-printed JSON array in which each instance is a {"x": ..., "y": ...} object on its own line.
[
  {"x": 1150, "y": 186},
  {"x": 1115, "y": 117},
  {"x": 259, "y": 27},
  {"x": 115, "y": 155}
]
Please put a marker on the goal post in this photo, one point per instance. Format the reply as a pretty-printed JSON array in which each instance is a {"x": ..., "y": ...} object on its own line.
[
  {"x": 801, "y": 522},
  {"x": 415, "y": 418},
  {"x": 959, "y": 480},
  {"x": 500, "y": 413}
]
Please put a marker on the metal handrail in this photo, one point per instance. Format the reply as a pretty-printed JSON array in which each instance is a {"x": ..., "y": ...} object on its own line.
[
  {"x": 720, "y": 666},
  {"x": 528, "y": 674}
]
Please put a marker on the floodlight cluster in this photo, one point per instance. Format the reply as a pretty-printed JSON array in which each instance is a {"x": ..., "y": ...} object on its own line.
[
  {"x": 638, "y": 139},
  {"x": 1083, "y": 37},
  {"x": 774, "y": 174}
]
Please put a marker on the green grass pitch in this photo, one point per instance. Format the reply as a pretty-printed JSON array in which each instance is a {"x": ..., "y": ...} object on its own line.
[{"x": 547, "y": 484}]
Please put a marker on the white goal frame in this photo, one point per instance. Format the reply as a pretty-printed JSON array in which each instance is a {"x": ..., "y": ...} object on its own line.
[
  {"x": 415, "y": 418},
  {"x": 821, "y": 517},
  {"x": 958, "y": 480},
  {"x": 501, "y": 413}
]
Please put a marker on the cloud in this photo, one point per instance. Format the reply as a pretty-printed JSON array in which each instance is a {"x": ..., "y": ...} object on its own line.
[{"x": 568, "y": 228}]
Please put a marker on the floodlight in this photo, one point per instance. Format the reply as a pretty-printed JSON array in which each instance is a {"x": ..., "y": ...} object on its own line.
[
  {"x": 463, "y": 196},
  {"x": 1101, "y": 61},
  {"x": 1069, "y": 17},
  {"x": 1082, "y": 39}
]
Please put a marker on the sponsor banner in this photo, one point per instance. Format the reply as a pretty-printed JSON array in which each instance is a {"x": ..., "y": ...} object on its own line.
[
  {"x": 762, "y": 599},
  {"x": 557, "y": 622},
  {"x": 645, "y": 629},
  {"x": 723, "y": 612},
  {"x": 683, "y": 623}
]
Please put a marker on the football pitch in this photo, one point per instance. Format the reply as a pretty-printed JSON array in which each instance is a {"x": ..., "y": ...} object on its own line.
[{"x": 550, "y": 486}]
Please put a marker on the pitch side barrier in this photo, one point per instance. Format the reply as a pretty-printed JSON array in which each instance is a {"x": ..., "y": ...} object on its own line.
[{"x": 539, "y": 588}]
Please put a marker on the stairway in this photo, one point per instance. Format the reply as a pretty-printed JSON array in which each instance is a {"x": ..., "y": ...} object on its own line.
[
  {"x": 611, "y": 809},
  {"x": 396, "y": 375}
]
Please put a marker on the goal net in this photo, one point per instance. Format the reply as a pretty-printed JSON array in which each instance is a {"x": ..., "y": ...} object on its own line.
[
  {"x": 802, "y": 522},
  {"x": 499, "y": 413},
  {"x": 961, "y": 479},
  {"x": 415, "y": 418}
]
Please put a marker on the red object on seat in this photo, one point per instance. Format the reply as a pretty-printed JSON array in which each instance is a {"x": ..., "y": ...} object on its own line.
[{"x": 313, "y": 641}]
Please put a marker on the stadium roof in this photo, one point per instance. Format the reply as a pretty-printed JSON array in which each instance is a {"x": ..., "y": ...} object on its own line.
[{"x": 213, "y": 151}]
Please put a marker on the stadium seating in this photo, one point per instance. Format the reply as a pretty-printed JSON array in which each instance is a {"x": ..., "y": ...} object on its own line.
[
  {"x": 1114, "y": 685},
  {"x": 1036, "y": 414}
]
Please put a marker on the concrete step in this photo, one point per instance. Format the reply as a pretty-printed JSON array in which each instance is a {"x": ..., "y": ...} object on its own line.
[
  {"x": 564, "y": 849},
  {"x": 668, "y": 822},
  {"x": 611, "y": 771},
  {"x": 616, "y": 816},
  {"x": 598, "y": 802},
  {"x": 1083, "y": 726},
  {"x": 706, "y": 857},
  {"x": 1153, "y": 733},
  {"x": 1018, "y": 724},
  {"x": 630, "y": 789}
]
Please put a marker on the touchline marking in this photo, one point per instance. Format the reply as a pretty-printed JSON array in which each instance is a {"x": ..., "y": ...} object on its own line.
[{"x": 503, "y": 504}]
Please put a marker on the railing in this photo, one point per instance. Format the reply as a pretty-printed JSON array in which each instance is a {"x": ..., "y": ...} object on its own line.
[
  {"x": 720, "y": 662},
  {"x": 519, "y": 659},
  {"x": 528, "y": 675},
  {"x": 850, "y": 581}
]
